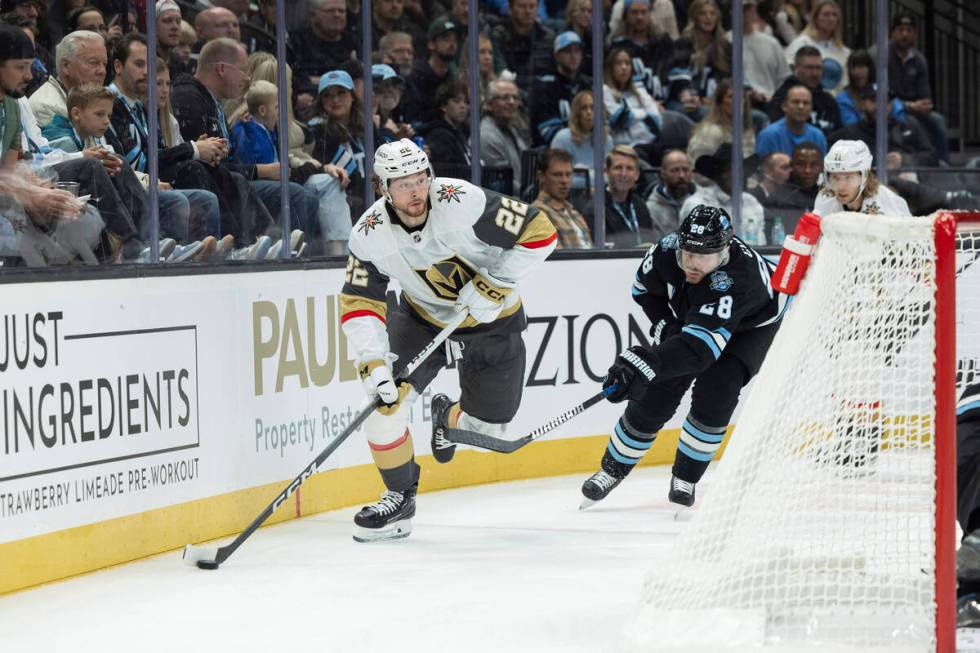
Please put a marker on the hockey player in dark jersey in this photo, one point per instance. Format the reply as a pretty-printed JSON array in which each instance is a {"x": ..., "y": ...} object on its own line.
[
  {"x": 714, "y": 314},
  {"x": 968, "y": 487},
  {"x": 447, "y": 243}
]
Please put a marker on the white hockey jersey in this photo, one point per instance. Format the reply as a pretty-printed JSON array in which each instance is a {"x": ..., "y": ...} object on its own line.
[
  {"x": 884, "y": 202},
  {"x": 468, "y": 229}
]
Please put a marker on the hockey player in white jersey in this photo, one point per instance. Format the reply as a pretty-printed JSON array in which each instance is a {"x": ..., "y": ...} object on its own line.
[
  {"x": 447, "y": 243},
  {"x": 852, "y": 186}
]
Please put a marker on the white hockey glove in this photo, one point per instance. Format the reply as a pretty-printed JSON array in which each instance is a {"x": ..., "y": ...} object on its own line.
[
  {"x": 377, "y": 378},
  {"x": 484, "y": 296}
]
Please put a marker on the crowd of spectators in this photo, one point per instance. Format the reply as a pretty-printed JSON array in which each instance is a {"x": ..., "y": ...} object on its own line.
[{"x": 75, "y": 82}]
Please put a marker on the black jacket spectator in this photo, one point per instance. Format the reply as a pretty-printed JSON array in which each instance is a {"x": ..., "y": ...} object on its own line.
[
  {"x": 551, "y": 103},
  {"x": 908, "y": 138},
  {"x": 310, "y": 56},
  {"x": 259, "y": 36},
  {"x": 526, "y": 55},
  {"x": 651, "y": 62},
  {"x": 909, "y": 79},
  {"x": 420, "y": 92},
  {"x": 621, "y": 218},
  {"x": 447, "y": 145},
  {"x": 826, "y": 113}
]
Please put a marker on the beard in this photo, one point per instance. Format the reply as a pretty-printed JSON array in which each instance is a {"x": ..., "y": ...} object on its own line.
[{"x": 17, "y": 93}]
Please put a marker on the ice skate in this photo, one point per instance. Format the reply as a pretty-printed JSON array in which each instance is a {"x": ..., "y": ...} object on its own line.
[
  {"x": 681, "y": 492},
  {"x": 442, "y": 449},
  {"x": 388, "y": 519},
  {"x": 597, "y": 487}
]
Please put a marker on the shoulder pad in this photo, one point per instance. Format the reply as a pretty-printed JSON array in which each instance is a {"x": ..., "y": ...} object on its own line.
[{"x": 371, "y": 235}]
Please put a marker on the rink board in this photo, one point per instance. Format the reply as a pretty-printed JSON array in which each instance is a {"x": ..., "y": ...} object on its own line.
[{"x": 142, "y": 414}]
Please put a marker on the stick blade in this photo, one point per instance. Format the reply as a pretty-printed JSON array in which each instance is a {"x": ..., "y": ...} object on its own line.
[{"x": 203, "y": 557}]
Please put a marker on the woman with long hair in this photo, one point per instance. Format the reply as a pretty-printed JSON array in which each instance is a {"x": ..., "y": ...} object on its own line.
[
  {"x": 578, "y": 17},
  {"x": 711, "y": 60},
  {"x": 716, "y": 127},
  {"x": 824, "y": 32},
  {"x": 485, "y": 58},
  {"x": 576, "y": 139},
  {"x": 861, "y": 75},
  {"x": 787, "y": 18},
  {"x": 634, "y": 117}
]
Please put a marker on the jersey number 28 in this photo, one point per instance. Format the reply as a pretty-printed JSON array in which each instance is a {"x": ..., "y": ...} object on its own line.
[{"x": 724, "y": 308}]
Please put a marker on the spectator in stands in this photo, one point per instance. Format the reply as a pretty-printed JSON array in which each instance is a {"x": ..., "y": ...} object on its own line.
[
  {"x": 793, "y": 128},
  {"x": 398, "y": 51},
  {"x": 576, "y": 139},
  {"x": 259, "y": 30},
  {"x": 717, "y": 169},
  {"x": 667, "y": 197},
  {"x": 215, "y": 23},
  {"x": 908, "y": 140},
  {"x": 89, "y": 18},
  {"x": 650, "y": 46},
  {"x": 524, "y": 42},
  {"x": 554, "y": 170},
  {"x": 628, "y": 222},
  {"x": 578, "y": 14},
  {"x": 716, "y": 127},
  {"x": 322, "y": 46},
  {"x": 824, "y": 33},
  {"x": 501, "y": 144},
  {"x": 774, "y": 169},
  {"x": 28, "y": 9},
  {"x": 81, "y": 58},
  {"x": 44, "y": 63},
  {"x": 183, "y": 55},
  {"x": 711, "y": 60},
  {"x": 485, "y": 59},
  {"x": 390, "y": 114},
  {"x": 798, "y": 194},
  {"x": 169, "y": 25},
  {"x": 447, "y": 137},
  {"x": 789, "y": 18},
  {"x": 807, "y": 70},
  {"x": 390, "y": 16},
  {"x": 634, "y": 118},
  {"x": 763, "y": 59},
  {"x": 908, "y": 77},
  {"x": 57, "y": 19},
  {"x": 861, "y": 75},
  {"x": 338, "y": 129},
  {"x": 428, "y": 75},
  {"x": 552, "y": 94}
]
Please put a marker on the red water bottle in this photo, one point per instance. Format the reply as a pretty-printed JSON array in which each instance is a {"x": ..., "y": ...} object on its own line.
[{"x": 795, "y": 257}]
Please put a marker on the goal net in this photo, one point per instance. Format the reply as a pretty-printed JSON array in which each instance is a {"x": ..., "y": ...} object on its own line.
[{"x": 829, "y": 523}]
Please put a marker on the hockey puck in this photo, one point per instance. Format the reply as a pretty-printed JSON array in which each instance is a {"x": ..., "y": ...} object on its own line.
[{"x": 207, "y": 564}]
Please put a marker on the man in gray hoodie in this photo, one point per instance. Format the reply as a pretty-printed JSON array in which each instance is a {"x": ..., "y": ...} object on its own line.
[{"x": 667, "y": 197}]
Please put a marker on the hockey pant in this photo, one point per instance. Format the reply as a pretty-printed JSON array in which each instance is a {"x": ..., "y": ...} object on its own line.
[
  {"x": 713, "y": 400},
  {"x": 491, "y": 376},
  {"x": 968, "y": 471}
]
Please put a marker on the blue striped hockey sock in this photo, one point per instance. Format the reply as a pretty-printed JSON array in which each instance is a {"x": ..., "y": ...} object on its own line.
[
  {"x": 697, "y": 446},
  {"x": 626, "y": 446}
]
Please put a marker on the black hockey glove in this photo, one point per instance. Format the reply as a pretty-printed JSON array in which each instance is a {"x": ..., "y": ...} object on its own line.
[{"x": 630, "y": 375}]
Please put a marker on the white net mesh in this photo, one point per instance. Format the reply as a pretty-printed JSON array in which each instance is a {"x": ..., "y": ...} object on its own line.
[{"x": 818, "y": 532}]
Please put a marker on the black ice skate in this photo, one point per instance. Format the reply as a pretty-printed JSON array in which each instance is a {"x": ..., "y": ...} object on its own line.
[
  {"x": 442, "y": 449},
  {"x": 681, "y": 492},
  {"x": 388, "y": 519},
  {"x": 597, "y": 487}
]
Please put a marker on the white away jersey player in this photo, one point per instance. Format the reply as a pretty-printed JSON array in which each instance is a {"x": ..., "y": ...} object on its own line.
[
  {"x": 884, "y": 202},
  {"x": 468, "y": 229}
]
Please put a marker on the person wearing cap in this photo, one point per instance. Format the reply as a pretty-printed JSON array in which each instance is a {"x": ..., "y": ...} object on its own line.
[
  {"x": 717, "y": 168},
  {"x": 324, "y": 44},
  {"x": 43, "y": 64},
  {"x": 824, "y": 33},
  {"x": 390, "y": 114},
  {"x": 551, "y": 95},
  {"x": 649, "y": 46},
  {"x": 808, "y": 71},
  {"x": 169, "y": 23},
  {"x": 82, "y": 59},
  {"x": 428, "y": 75},
  {"x": 908, "y": 80},
  {"x": 793, "y": 128},
  {"x": 525, "y": 43}
]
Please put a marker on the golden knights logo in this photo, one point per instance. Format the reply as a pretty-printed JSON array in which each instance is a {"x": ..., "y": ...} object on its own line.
[
  {"x": 369, "y": 222},
  {"x": 871, "y": 208},
  {"x": 448, "y": 193},
  {"x": 446, "y": 278}
]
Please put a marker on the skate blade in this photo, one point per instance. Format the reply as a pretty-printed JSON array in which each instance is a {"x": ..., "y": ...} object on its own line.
[
  {"x": 683, "y": 513},
  {"x": 587, "y": 503},
  {"x": 395, "y": 531}
]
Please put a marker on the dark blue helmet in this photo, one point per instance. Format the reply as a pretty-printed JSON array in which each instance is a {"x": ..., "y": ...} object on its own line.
[{"x": 705, "y": 230}]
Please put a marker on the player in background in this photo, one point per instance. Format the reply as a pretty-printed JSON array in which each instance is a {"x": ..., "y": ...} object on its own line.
[
  {"x": 968, "y": 485},
  {"x": 714, "y": 313},
  {"x": 447, "y": 243},
  {"x": 852, "y": 186}
]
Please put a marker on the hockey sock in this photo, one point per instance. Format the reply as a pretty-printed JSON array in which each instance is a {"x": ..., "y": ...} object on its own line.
[
  {"x": 626, "y": 446},
  {"x": 696, "y": 448},
  {"x": 396, "y": 462}
]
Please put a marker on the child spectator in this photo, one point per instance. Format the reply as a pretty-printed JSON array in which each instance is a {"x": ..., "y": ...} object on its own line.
[
  {"x": 254, "y": 139},
  {"x": 89, "y": 111}
]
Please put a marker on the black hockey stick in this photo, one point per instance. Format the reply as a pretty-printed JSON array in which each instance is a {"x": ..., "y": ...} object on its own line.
[
  {"x": 472, "y": 438},
  {"x": 209, "y": 557}
]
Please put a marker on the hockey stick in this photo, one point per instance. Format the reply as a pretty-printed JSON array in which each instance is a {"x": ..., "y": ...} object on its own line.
[
  {"x": 500, "y": 445},
  {"x": 210, "y": 557}
]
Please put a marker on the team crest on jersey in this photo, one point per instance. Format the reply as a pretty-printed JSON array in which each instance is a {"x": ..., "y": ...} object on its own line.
[
  {"x": 871, "y": 208},
  {"x": 369, "y": 222},
  {"x": 669, "y": 241},
  {"x": 720, "y": 281},
  {"x": 448, "y": 193},
  {"x": 447, "y": 277}
]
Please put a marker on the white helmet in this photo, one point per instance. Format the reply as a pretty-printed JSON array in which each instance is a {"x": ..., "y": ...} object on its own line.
[
  {"x": 848, "y": 156},
  {"x": 399, "y": 159}
]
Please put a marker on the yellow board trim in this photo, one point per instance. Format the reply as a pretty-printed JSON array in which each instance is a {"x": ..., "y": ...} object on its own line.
[{"x": 74, "y": 551}]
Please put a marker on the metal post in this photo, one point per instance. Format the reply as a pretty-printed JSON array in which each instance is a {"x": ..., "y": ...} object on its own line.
[
  {"x": 153, "y": 129},
  {"x": 738, "y": 93},
  {"x": 473, "y": 15},
  {"x": 368, "y": 97},
  {"x": 285, "y": 252},
  {"x": 598, "y": 130},
  {"x": 881, "y": 126}
]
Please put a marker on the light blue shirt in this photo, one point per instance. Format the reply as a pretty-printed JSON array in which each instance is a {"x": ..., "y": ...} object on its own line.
[{"x": 778, "y": 138}]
